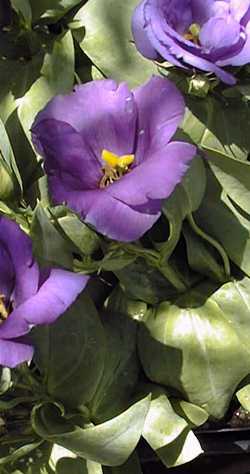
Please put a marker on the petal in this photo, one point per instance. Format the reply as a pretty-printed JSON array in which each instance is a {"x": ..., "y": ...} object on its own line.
[
  {"x": 118, "y": 221},
  {"x": 201, "y": 10},
  {"x": 54, "y": 297},
  {"x": 160, "y": 110},
  {"x": 66, "y": 154},
  {"x": 220, "y": 32},
  {"x": 155, "y": 178},
  {"x": 19, "y": 248},
  {"x": 13, "y": 353},
  {"x": 139, "y": 32},
  {"x": 244, "y": 56},
  {"x": 103, "y": 112},
  {"x": 239, "y": 8}
]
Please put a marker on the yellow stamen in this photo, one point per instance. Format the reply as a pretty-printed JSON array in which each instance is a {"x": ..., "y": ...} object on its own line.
[
  {"x": 3, "y": 311},
  {"x": 115, "y": 166}
]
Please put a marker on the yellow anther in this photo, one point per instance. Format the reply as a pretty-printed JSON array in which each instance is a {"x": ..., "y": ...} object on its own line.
[
  {"x": 3, "y": 311},
  {"x": 115, "y": 161}
]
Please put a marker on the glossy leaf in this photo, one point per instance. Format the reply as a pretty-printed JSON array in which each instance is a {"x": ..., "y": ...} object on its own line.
[
  {"x": 53, "y": 9},
  {"x": 70, "y": 353},
  {"x": 190, "y": 342},
  {"x": 105, "y": 26},
  {"x": 110, "y": 443}
]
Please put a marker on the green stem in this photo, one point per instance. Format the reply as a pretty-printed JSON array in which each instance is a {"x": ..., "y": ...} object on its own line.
[{"x": 212, "y": 242}]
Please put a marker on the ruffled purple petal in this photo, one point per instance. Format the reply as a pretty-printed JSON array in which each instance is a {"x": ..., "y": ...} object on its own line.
[
  {"x": 119, "y": 221},
  {"x": 160, "y": 110},
  {"x": 244, "y": 56},
  {"x": 19, "y": 247},
  {"x": 239, "y": 8},
  {"x": 219, "y": 33},
  {"x": 139, "y": 32},
  {"x": 66, "y": 154},
  {"x": 13, "y": 353},
  {"x": 155, "y": 178},
  {"x": 103, "y": 112}
]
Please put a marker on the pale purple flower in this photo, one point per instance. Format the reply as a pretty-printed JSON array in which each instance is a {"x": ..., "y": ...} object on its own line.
[
  {"x": 81, "y": 133},
  {"x": 28, "y": 296},
  {"x": 203, "y": 34}
]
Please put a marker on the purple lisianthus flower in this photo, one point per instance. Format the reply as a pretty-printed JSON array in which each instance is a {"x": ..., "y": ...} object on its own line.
[
  {"x": 107, "y": 153},
  {"x": 28, "y": 296},
  {"x": 204, "y": 34}
]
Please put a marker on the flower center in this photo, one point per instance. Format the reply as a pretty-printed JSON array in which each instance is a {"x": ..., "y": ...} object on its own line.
[
  {"x": 193, "y": 33},
  {"x": 4, "y": 313},
  {"x": 114, "y": 167}
]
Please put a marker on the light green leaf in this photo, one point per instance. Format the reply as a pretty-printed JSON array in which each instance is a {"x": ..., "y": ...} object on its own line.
[
  {"x": 105, "y": 27},
  {"x": 190, "y": 342},
  {"x": 243, "y": 396},
  {"x": 54, "y": 9},
  {"x": 169, "y": 434},
  {"x": 70, "y": 353},
  {"x": 110, "y": 443},
  {"x": 10, "y": 179},
  {"x": 83, "y": 238},
  {"x": 57, "y": 78}
]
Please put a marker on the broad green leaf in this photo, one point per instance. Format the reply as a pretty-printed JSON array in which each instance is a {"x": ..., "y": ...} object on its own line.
[
  {"x": 110, "y": 443},
  {"x": 169, "y": 434},
  {"x": 57, "y": 77},
  {"x": 5, "y": 380},
  {"x": 190, "y": 342},
  {"x": 121, "y": 367},
  {"x": 105, "y": 26},
  {"x": 223, "y": 221},
  {"x": 52, "y": 8},
  {"x": 77, "y": 466},
  {"x": 70, "y": 353},
  {"x": 19, "y": 453},
  {"x": 243, "y": 396},
  {"x": 50, "y": 247}
]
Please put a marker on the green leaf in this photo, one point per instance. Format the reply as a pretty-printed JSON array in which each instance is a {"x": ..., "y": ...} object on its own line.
[
  {"x": 169, "y": 434},
  {"x": 143, "y": 282},
  {"x": 57, "y": 78},
  {"x": 110, "y": 443},
  {"x": 190, "y": 342},
  {"x": 243, "y": 396},
  {"x": 11, "y": 183},
  {"x": 202, "y": 257},
  {"x": 119, "y": 302},
  {"x": 50, "y": 248},
  {"x": 70, "y": 353},
  {"x": 185, "y": 199},
  {"x": 214, "y": 125},
  {"x": 121, "y": 367},
  {"x": 105, "y": 27},
  {"x": 221, "y": 219},
  {"x": 22, "y": 7},
  {"x": 53, "y": 9},
  {"x": 77, "y": 466},
  {"x": 83, "y": 238},
  {"x": 234, "y": 178},
  {"x": 132, "y": 466},
  {"x": 5, "y": 380}
]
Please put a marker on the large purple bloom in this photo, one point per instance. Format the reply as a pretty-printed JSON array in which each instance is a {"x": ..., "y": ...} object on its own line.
[
  {"x": 107, "y": 153},
  {"x": 205, "y": 34},
  {"x": 28, "y": 297}
]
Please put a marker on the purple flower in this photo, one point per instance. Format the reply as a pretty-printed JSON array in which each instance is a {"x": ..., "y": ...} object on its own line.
[
  {"x": 205, "y": 34},
  {"x": 28, "y": 297},
  {"x": 107, "y": 153}
]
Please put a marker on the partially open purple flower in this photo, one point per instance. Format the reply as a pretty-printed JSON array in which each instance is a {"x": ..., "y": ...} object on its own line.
[
  {"x": 107, "y": 153},
  {"x": 205, "y": 34},
  {"x": 28, "y": 297}
]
